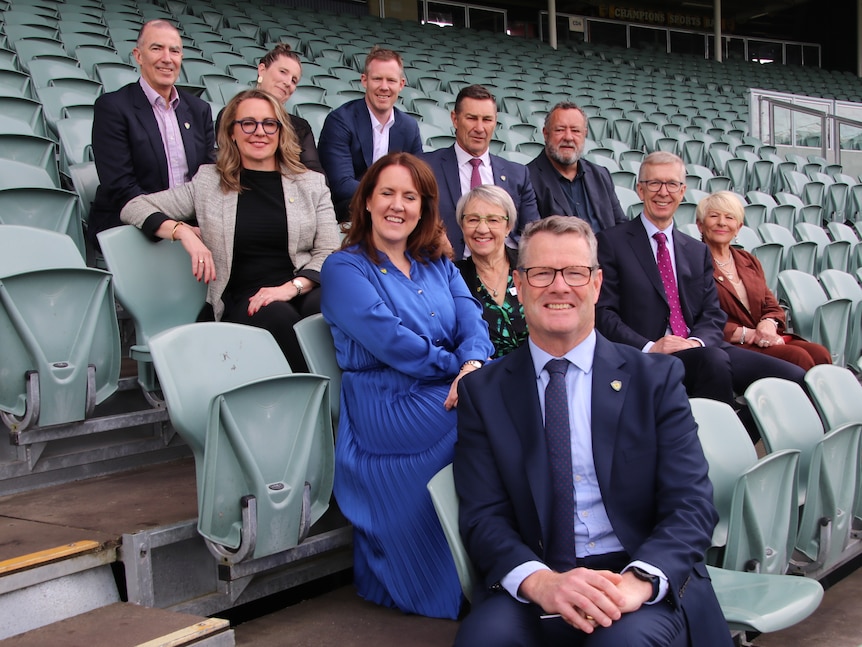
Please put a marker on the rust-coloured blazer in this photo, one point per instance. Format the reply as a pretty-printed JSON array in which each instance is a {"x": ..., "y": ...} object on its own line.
[{"x": 763, "y": 303}]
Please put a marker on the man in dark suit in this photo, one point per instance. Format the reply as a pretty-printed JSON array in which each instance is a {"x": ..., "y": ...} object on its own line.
[
  {"x": 592, "y": 533},
  {"x": 360, "y": 132},
  {"x": 567, "y": 185},
  {"x": 639, "y": 300},
  {"x": 468, "y": 163},
  {"x": 148, "y": 136}
]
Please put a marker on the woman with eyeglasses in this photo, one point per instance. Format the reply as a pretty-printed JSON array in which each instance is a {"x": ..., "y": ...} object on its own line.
[
  {"x": 265, "y": 224},
  {"x": 278, "y": 73},
  {"x": 406, "y": 330},
  {"x": 486, "y": 215}
]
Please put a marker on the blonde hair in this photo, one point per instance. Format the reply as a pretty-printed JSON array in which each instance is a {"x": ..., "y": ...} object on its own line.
[
  {"x": 723, "y": 202},
  {"x": 229, "y": 162}
]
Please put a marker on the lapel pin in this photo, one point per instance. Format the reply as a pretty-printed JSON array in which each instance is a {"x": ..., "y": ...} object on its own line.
[
  {"x": 187, "y": 125},
  {"x": 721, "y": 278},
  {"x": 616, "y": 385},
  {"x": 291, "y": 200},
  {"x": 383, "y": 270},
  {"x": 503, "y": 178}
]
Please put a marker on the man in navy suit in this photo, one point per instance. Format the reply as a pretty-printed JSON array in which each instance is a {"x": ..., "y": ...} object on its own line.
[
  {"x": 360, "y": 132},
  {"x": 148, "y": 136},
  {"x": 603, "y": 544},
  {"x": 475, "y": 118},
  {"x": 635, "y": 308},
  {"x": 567, "y": 185}
]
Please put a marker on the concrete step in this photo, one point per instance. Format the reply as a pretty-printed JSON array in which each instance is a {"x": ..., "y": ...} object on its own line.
[{"x": 128, "y": 625}]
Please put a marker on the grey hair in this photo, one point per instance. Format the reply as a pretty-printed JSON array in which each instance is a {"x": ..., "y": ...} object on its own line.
[
  {"x": 661, "y": 157},
  {"x": 492, "y": 194},
  {"x": 559, "y": 225},
  {"x": 567, "y": 105}
]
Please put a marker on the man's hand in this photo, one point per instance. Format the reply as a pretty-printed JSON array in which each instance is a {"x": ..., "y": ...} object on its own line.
[
  {"x": 673, "y": 344},
  {"x": 635, "y": 591},
  {"x": 583, "y": 597}
]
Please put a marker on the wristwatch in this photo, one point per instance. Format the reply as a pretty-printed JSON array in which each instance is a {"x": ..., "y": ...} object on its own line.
[
  {"x": 475, "y": 363},
  {"x": 298, "y": 285},
  {"x": 643, "y": 575}
]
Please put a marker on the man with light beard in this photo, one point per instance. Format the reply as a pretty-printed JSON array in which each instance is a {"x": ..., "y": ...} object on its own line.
[{"x": 567, "y": 185}]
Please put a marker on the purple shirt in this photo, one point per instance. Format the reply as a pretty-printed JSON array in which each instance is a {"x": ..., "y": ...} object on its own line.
[{"x": 169, "y": 128}]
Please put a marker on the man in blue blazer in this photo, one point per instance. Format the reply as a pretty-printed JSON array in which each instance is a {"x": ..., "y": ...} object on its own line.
[
  {"x": 148, "y": 136},
  {"x": 566, "y": 184},
  {"x": 474, "y": 119},
  {"x": 635, "y": 309},
  {"x": 604, "y": 544},
  {"x": 360, "y": 132}
]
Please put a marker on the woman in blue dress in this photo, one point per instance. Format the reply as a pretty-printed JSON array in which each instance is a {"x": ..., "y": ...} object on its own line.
[{"x": 406, "y": 329}]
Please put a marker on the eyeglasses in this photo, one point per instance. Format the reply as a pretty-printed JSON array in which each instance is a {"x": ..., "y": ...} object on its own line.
[
  {"x": 249, "y": 126},
  {"x": 472, "y": 220},
  {"x": 574, "y": 275},
  {"x": 656, "y": 185}
]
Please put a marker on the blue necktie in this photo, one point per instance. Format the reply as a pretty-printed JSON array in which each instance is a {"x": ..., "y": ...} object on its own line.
[{"x": 561, "y": 549}]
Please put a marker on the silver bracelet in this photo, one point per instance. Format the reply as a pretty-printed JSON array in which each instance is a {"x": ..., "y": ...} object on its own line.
[{"x": 742, "y": 337}]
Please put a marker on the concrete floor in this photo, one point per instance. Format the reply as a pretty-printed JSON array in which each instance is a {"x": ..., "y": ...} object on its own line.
[{"x": 341, "y": 619}]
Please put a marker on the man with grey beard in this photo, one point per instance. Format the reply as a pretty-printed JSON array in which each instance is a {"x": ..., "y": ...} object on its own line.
[{"x": 567, "y": 185}]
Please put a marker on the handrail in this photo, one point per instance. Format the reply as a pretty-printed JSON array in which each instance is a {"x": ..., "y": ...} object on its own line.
[{"x": 836, "y": 122}]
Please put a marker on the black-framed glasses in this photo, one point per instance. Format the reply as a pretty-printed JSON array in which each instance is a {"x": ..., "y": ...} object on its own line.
[
  {"x": 574, "y": 275},
  {"x": 494, "y": 221},
  {"x": 655, "y": 185},
  {"x": 249, "y": 126}
]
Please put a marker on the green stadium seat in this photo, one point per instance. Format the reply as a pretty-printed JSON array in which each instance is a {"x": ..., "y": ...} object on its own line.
[
  {"x": 798, "y": 255},
  {"x": 842, "y": 285},
  {"x": 830, "y": 254},
  {"x": 141, "y": 269},
  {"x": 43, "y": 208},
  {"x": 829, "y": 470},
  {"x": 757, "y": 500},
  {"x": 318, "y": 348}
]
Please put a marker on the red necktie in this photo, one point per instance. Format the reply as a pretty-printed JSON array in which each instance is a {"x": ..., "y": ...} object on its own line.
[
  {"x": 475, "y": 180},
  {"x": 665, "y": 269}
]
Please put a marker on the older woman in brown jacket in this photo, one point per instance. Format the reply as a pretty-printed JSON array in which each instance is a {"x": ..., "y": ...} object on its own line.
[{"x": 754, "y": 318}]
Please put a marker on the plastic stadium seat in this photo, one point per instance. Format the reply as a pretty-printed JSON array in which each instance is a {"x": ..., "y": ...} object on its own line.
[
  {"x": 771, "y": 257},
  {"x": 318, "y": 348},
  {"x": 755, "y": 215},
  {"x": 841, "y": 285},
  {"x": 829, "y": 469},
  {"x": 833, "y": 255},
  {"x": 747, "y": 238},
  {"x": 114, "y": 76},
  {"x": 757, "y": 500},
  {"x": 43, "y": 208},
  {"x": 227, "y": 355},
  {"x": 630, "y": 201},
  {"x": 812, "y": 314},
  {"x": 798, "y": 255},
  {"x": 58, "y": 330},
  {"x": 44, "y": 71},
  {"x": 22, "y": 116},
  {"x": 15, "y": 84},
  {"x": 55, "y": 98},
  {"x": 270, "y": 439},
  {"x": 141, "y": 270}
]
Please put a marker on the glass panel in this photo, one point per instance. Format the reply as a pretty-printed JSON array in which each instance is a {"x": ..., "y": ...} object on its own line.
[
  {"x": 607, "y": 33},
  {"x": 647, "y": 38},
  {"x": 764, "y": 52},
  {"x": 685, "y": 42},
  {"x": 811, "y": 55},
  {"x": 850, "y": 136},
  {"x": 781, "y": 126},
  {"x": 735, "y": 49},
  {"x": 793, "y": 54},
  {"x": 440, "y": 13},
  {"x": 494, "y": 21}
]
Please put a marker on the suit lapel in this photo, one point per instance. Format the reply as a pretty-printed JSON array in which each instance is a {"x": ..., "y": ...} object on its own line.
[
  {"x": 682, "y": 256},
  {"x": 524, "y": 414},
  {"x": 449, "y": 164},
  {"x": 186, "y": 124},
  {"x": 610, "y": 385},
  {"x": 362, "y": 126},
  {"x": 643, "y": 253}
]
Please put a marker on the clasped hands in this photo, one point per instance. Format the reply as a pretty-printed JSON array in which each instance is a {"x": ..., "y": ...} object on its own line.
[
  {"x": 586, "y": 598},
  {"x": 766, "y": 334}
]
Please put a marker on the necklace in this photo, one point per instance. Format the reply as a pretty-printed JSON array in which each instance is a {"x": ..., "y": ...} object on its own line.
[
  {"x": 730, "y": 274},
  {"x": 485, "y": 284},
  {"x": 720, "y": 264}
]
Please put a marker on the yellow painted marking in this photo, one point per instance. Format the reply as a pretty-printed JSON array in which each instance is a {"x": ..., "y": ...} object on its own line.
[
  {"x": 186, "y": 635},
  {"x": 46, "y": 556}
]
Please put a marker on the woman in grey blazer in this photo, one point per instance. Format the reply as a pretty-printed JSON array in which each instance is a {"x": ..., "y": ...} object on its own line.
[{"x": 264, "y": 223}]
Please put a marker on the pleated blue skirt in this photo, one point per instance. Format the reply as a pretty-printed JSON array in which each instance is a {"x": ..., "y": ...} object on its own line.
[{"x": 394, "y": 435}]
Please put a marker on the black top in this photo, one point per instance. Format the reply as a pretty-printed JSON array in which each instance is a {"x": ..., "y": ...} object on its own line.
[{"x": 260, "y": 257}]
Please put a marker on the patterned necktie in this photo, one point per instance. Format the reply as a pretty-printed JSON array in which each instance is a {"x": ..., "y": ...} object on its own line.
[
  {"x": 561, "y": 545},
  {"x": 665, "y": 269},
  {"x": 475, "y": 179}
]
